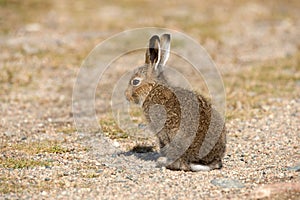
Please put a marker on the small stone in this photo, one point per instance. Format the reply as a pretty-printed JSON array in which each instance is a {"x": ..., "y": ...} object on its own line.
[
  {"x": 281, "y": 175},
  {"x": 24, "y": 138},
  {"x": 227, "y": 183},
  {"x": 116, "y": 144},
  {"x": 40, "y": 125},
  {"x": 256, "y": 138},
  {"x": 142, "y": 126},
  {"x": 48, "y": 167},
  {"x": 129, "y": 177},
  {"x": 278, "y": 189},
  {"x": 294, "y": 168},
  {"x": 9, "y": 133},
  {"x": 47, "y": 179}
]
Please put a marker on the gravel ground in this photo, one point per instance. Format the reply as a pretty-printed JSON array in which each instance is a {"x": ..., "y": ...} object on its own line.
[
  {"x": 44, "y": 157},
  {"x": 255, "y": 156}
]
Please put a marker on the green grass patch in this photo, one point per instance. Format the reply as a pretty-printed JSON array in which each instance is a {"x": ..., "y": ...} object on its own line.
[
  {"x": 20, "y": 163},
  {"x": 37, "y": 147},
  {"x": 136, "y": 114},
  {"x": 90, "y": 175},
  {"x": 44, "y": 147},
  {"x": 111, "y": 129},
  {"x": 54, "y": 149},
  {"x": 67, "y": 130}
]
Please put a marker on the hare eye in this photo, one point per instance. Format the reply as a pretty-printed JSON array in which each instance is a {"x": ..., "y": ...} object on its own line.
[{"x": 136, "y": 82}]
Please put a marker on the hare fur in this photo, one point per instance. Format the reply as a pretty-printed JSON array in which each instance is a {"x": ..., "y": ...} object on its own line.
[{"x": 185, "y": 118}]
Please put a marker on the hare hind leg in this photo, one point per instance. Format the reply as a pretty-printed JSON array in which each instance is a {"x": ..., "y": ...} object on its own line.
[
  {"x": 179, "y": 164},
  {"x": 198, "y": 167}
]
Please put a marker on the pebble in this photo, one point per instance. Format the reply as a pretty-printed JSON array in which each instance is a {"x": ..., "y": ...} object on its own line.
[
  {"x": 227, "y": 183},
  {"x": 142, "y": 126},
  {"x": 24, "y": 138},
  {"x": 66, "y": 174},
  {"x": 116, "y": 144},
  {"x": 294, "y": 168},
  {"x": 279, "y": 189}
]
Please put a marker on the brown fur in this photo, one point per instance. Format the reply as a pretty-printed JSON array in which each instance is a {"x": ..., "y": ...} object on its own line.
[{"x": 154, "y": 90}]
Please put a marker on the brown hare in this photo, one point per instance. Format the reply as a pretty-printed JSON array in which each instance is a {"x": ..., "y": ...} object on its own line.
[{"x": 191, "y": 132}]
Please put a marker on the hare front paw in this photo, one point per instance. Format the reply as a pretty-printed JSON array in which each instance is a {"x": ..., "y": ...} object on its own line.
[{"x": 162, "y": 161}]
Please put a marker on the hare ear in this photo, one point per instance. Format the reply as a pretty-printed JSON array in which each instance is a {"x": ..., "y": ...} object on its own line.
[
  {"x": 147, "y": 57},
  {"x": 154, "y": 50},
  {"x": 153, "y": 55},
  {"x": 165, "y": 49}
]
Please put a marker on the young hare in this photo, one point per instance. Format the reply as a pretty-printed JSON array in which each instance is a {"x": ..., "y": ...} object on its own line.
[{"x": 191, "y": 133}]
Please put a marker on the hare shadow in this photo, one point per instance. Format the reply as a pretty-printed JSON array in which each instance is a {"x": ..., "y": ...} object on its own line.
[{"x": 145, "y": 153}]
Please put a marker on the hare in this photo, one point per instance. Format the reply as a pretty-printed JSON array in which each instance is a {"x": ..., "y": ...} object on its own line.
[{"x": 191, "y": 133}]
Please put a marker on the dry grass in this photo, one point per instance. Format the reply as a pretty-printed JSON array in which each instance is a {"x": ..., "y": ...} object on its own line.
[
  {"x": 16, "y": 13},
  {"x": 11, "y": 79},
  {"x": 251, "y": 90},
  {"x": 10, "y": 187}
]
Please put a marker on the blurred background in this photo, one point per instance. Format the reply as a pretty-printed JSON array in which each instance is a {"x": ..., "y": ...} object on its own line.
[{"x": 255, "y": 44}]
